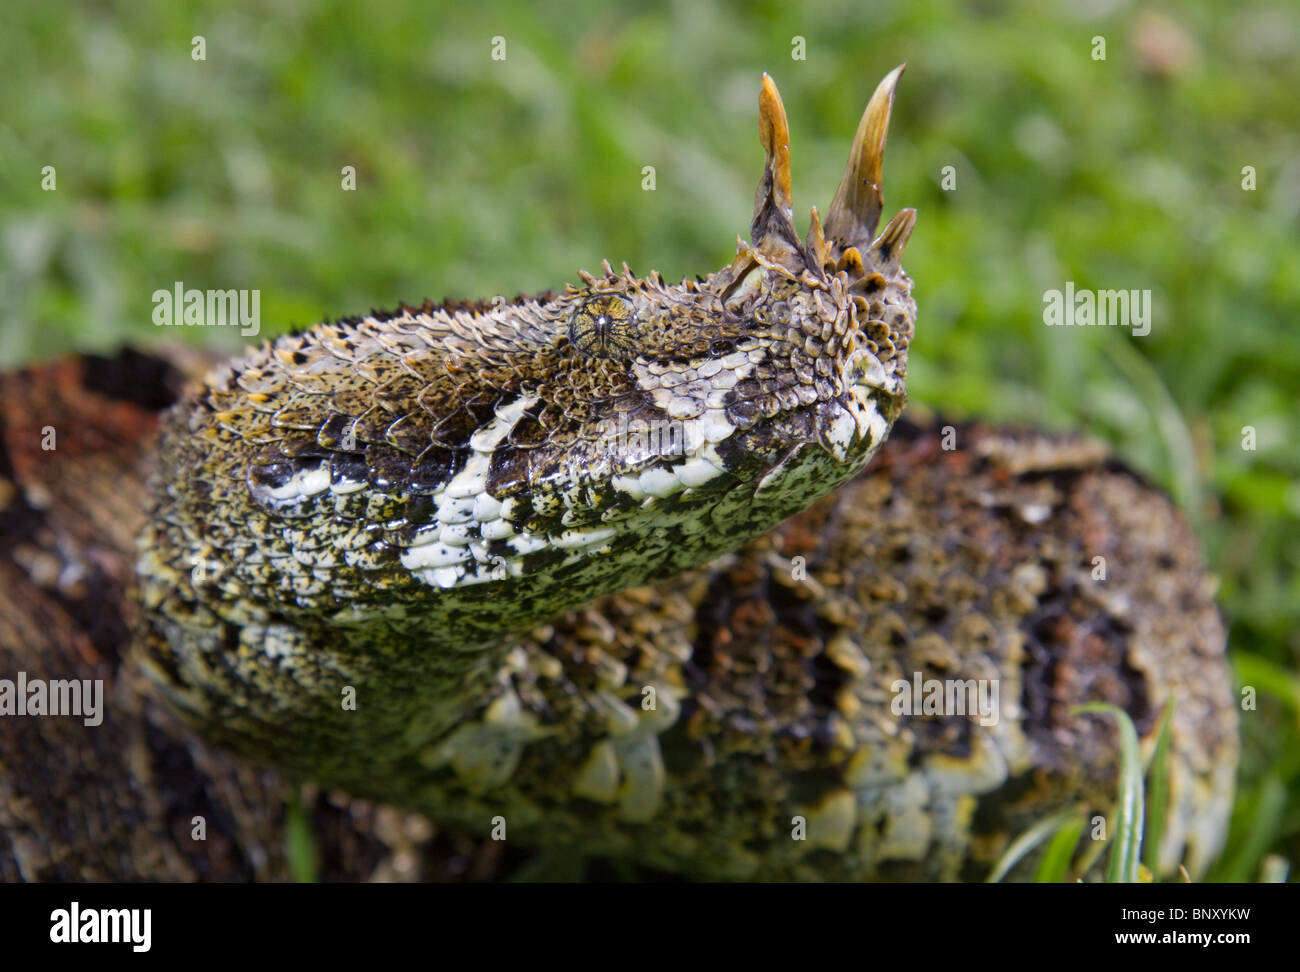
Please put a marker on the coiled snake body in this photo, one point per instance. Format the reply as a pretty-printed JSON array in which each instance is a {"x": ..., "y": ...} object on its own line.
[{"x": 402, "y": 555}]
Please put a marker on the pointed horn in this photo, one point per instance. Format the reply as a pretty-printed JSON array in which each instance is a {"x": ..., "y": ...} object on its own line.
[
  {"x": 773, "y": 229},
  {"x": 855, "y": 211},
  {"x": 815, "y": 244},
  {"x": 888, "y": 246}
]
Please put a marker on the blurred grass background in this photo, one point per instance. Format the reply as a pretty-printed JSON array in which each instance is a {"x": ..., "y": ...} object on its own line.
[{"x": 478, "y": 176}]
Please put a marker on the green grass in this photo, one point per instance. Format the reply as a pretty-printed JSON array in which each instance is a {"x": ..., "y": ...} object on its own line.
[
  {"x": 300, "y": 843},
  {"x": 1130, "y": 805},
  {"x": 1130, "y": 837},
  {"x": 478, "y": 177}
]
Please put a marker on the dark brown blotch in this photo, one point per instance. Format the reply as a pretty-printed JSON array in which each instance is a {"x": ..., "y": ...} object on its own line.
[{"x": 434, "y": 467}]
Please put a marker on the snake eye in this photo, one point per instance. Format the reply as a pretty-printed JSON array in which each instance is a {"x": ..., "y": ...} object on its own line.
[{"x": 602, "y": 327}]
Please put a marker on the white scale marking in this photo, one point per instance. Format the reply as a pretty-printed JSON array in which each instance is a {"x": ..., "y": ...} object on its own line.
[
  {"x": 447, "y": 553},
  {"x": 840, "y": 434},
  {"x": 430, "y": 551},
  {"x": 347, "y": 486},
  {"x": 303, "y": 483}
]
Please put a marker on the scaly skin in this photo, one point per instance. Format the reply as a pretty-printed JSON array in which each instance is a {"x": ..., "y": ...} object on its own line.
[
  {"x": 376, "y": 507},
  {"x": 767, "y": 650},
  {"x": 308, "y": 540}
]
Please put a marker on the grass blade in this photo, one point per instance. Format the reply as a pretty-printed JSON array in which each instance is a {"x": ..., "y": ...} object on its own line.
[
  {"x": 1126, "y": 852},
  {"x": 1263, "y": 807},
  {"x": 301, "y": 850},
  {"x": 1268, "y": 676},
  {"x": 1158, "y": 790},
  {"x": 1055, "y": 865},
  {"x": 1027, "y": 841}
]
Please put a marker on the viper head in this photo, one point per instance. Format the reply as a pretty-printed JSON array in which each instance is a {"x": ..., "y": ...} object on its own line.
[{"x": 796, "y": 343}]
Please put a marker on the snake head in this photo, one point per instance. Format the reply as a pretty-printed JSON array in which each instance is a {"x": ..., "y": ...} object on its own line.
[
  {"x": 798, "y": 343},
  {"x": 725, "y": 403},
  {"x": 836, "y": 309}
]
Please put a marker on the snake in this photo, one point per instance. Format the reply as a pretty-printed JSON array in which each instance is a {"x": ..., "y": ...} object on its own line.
[{"x": 649, "y": 572}]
